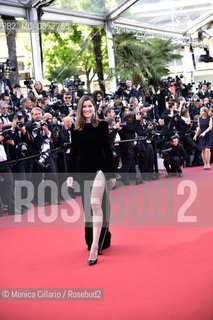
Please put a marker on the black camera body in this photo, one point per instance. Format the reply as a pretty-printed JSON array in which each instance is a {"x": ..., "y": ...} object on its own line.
[
  {"x": 28, "y": 82},
  {"x": 20, "y": 124},
  {"x": 74, "y": 82},
  {"x": 41, "y": 161},
  {"x": 56, "y": 126},
  {"x": 6, "y": 66},
  {"x": 8, "y": 134},
  {"x": 22, "y": 149},
  {"x": 35, "y": 124},
  {"x": 52, "y": 87},
  {"x": 43, "y": 123},
  {"x": 122, "y": 85}
]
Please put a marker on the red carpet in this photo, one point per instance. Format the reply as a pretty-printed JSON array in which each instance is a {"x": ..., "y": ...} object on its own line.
[{"x": 157, "y": 268}]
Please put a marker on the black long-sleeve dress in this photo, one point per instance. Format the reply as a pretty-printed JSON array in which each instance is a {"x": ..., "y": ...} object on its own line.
[{"x": 91, "y": 152}]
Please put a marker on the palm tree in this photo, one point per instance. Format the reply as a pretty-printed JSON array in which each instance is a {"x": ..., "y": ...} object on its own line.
[
  {"x": 96, "y": 40},
  {"x": 144, "y": 60}
]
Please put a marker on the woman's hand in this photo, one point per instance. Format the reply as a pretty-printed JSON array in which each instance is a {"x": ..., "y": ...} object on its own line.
[
  {"x": 203, "y": 134},
  {"x": 195, "y": 137}
]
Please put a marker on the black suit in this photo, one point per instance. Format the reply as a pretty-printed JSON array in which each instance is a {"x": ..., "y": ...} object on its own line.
[
  {"x": 170, "y": 124},
  {"x": 64, "y": 138},
  {"x": 175, "y": 158},
  {"x": 6, "y": 182},
  {"x": 35, "y": 148}
]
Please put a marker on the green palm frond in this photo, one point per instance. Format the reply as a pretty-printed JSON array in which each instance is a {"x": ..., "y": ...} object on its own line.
[{"x": 145, "y": 60}]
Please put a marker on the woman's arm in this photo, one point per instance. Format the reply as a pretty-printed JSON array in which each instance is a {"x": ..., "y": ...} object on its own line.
[
  {"x": 208, "y": 129},
  {"x": 37, "y": 96},
  {"x": 198, "y": 130}
]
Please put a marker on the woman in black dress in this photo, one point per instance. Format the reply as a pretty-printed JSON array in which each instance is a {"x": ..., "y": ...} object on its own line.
[
  {"x": 205, "y": 134},
  {"x": 91, "y": 156}
]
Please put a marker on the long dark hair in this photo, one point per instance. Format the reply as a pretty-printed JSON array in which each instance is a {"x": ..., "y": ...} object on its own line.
[{"x": 80, "y": 121}]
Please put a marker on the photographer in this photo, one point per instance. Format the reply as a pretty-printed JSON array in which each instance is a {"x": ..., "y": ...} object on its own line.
[
  {"x": 149, "y": 97},
  {"x": 5, "y": 116},
  {"x": 54, "y": 92},
  {"x": 78, "y": 91},
  {"x": 127, "y": 149},
  {"x": 21, "y": 141},
  {"x": 202, "y": 89},
  {"x": 145, "y": 148},
  {"x": 185, "y": 132},
  {"x": 195, "y": 109},
  {"x": 206, "y": 102},
  {"x": 16, "y": 96},
  {"x": 109, "y": 112},
  {"x": 38, "y": 91},
  {"x": 5, "y": 97},
  {"x": 6, "y": 178},
  {"x": 170, "y": 117},
  {"x": 67, "y": 107},
  {"x": 174, "y": 156},
  {"x": 133, "y": 102},
  {"x": 114, "y": 137},
  {"x": 45, "y": 104},
  {"x": 209, "y": 91},
  {"x": 98, "y": 97},
  {"x": 64, "y": 141},
  {"x": 42, "y": 142},
  {"x": 26, "y": 108},
  {"x": 126, "y": 90},
  {"x": 162, "y": 96},
  {"x": 5, "y": 83}
]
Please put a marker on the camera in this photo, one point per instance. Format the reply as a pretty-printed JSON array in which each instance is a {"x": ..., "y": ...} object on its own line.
[
  {"x": 6, "y": 66},
  {"x": 35, "y": 124},
  {"x": 206, "y": 57},
  {"x": 200, "y": 85},
  {"x": 43, "y": 123},
  {"x": 34, "y": 127},
  {"x": 28, "y": 82},
  {"x": 7, "y": 134},
  {"x": 56, "y": 126},
  {"x": 42, "y": 159},
  {"x": 20, "y": 124},
  {"x": 52, "y": 87},
  {"x": 122, "y": 85},
  {"x": 22, "y": 149},
  {"x": 74, "y": 82}
]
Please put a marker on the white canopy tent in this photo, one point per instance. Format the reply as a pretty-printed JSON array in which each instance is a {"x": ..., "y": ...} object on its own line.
[{"x": 178, "y": 19}]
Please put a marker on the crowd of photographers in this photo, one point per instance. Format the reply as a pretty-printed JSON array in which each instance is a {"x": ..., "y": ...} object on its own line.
[{"x": 36, "y": 132}]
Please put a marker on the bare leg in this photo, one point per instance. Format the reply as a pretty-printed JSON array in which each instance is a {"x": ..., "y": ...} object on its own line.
[
  {"x": 204, "y": 157},
  {"x": 208, "y": 157},
  {"x": 97, "y": 192}
]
